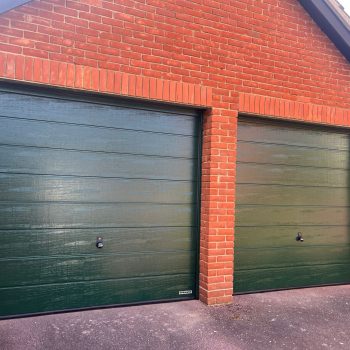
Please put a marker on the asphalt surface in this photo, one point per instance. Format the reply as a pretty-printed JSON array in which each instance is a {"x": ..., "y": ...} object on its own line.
[{"x": 313, "y": 318}]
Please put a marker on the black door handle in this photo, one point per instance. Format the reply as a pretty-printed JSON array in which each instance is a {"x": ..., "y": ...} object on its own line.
[
  {"x": 299, "y": 237},
  {"x": 99, "y": 242}
]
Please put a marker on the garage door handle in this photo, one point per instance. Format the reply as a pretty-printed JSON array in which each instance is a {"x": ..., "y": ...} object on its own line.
[
  {"x": 99, "y": 242},
  {"x": 299, "y": 237}
]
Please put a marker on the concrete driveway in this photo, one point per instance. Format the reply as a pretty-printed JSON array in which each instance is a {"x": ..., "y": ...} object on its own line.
[{"x": 315, "y": 318}]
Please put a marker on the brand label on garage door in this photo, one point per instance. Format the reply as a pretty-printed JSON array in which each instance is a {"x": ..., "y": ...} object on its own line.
[{"x": 185, "y": 292}]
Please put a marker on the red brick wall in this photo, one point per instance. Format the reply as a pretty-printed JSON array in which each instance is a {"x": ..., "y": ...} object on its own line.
[{"x": 264, "y": 57}]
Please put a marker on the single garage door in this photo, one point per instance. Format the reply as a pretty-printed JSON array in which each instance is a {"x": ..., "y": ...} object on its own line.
[
  {"x": 290, "y": 179},
  {"x": 77, "y": 172}
]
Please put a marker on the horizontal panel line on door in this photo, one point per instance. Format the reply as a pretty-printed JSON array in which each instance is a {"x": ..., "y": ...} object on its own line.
[
  {"x": 125, "y": 154},
  {"x": 92, "y": 228},
  {"x": 296, "y": 146},
  {"x": 8, "y": 174},
  {"x": 96, "y": 151},
  {"x": 98, "y": 281},
  {"x": 100, "y": 126},
  {"x": 102, "y": 228},
  {"x": 97, "y": 177},
  {"x": 291, "y": 205},
  {"x": 88, "y": 256},
  {"x": 292, "y": 166},
  {"x": 304, "y": 245},
  {"x": 102, "y": 101},
  {"x": 293, "y": 225},
  {"x": 289, "y": 266},
  {"x": 286, "y": 185},
  {"x": 96, "y": 203}
]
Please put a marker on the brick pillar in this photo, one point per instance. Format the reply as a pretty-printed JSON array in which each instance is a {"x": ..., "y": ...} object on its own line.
[{"x": 217, "y": 206}]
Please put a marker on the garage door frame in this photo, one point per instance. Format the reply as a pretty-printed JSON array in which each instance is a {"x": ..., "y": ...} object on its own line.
[
  {"x": 132, "y": 103},
  {"x": 297, "y": 124}
]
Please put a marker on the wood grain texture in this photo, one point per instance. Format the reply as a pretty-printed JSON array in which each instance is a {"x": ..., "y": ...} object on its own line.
[
  {"x": 69, "y": 269},
  {"x": 77, "y": 242},
  {"x": 291, "y": 179},
  {"x": 267, "y": 153},
  {"x": 27, "y": 160},
  {"x": 284, "y": 236},
  {"x": 291, "y": 277},
  {"x": 293, "y": 195},
  {"x": 55, "y": 297},
  {"x": 252, "y": 215},
  {"x": 41, "y": 188},
  {"x": 297, "y": 255},
  {"x": 99, "y": 113},
  {"x": 291, "y": 175},
  {"x": 95, "y": 138},
  {"x": 301, "y": 135},
  {"x": 74, "y": 170},
  {"x": 67, "y": 215}
]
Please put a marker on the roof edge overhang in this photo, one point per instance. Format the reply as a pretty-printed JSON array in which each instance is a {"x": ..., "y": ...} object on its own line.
[
  {"x": 7, "y": 5},
  {"x": 331, "y": 22}
]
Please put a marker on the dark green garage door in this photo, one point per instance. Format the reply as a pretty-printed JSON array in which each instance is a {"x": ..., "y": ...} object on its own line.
[
  {"x": 291, "y": 179},
  {"x": 74, "y": 169}
]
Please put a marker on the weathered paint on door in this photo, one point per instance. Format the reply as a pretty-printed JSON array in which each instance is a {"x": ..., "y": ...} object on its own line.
[
  {"x": 290, "y": 179},
  {"x": 74, "y": 169}
]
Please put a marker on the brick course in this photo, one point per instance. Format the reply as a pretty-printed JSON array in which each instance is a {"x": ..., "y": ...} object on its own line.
[{"x": 259, "y": 57}]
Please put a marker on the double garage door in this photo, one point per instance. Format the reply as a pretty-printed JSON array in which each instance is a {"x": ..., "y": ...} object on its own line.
[
  {"x": 291, "y": 179},
  {"x": 98, "y": 202}
]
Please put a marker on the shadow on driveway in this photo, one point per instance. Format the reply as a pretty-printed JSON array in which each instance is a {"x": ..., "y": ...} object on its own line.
[{"x": 314, "y": 318}]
